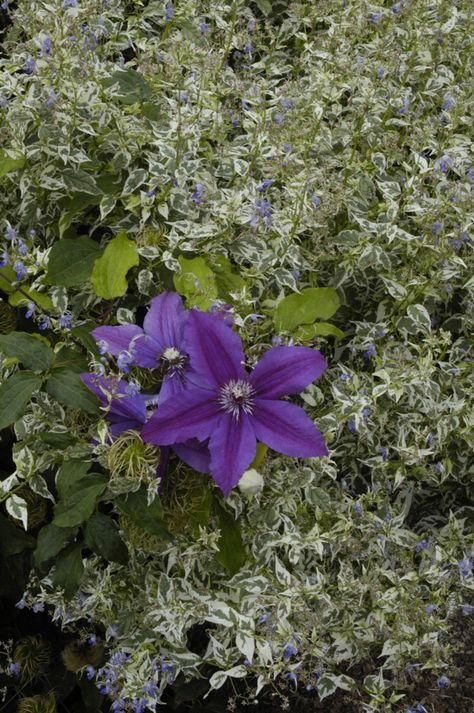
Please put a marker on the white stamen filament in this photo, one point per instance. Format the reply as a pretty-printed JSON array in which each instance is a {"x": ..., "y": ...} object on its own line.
[{"x": 237, "y": 395}]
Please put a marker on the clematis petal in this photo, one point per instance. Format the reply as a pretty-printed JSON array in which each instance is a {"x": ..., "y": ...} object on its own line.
[
  {"x": 172, "y": 385},
  {"x": 162, "y": 469},
  {"x": 287, "y": 429},
  {"x": 193, "y": 415},
  {"x": 164, "y": 321},
  {"x": 194, "y": 454},
  {"x": 117, "y": 428},
  {"x": 114, "y": 394},
  {"x": 128, "y": 337},
  {"x": 233, "y": 447},
  {"x": 215, "y": 350},
  {"x": 117, "y": 338},
  {"x": 286, "y": 370}
]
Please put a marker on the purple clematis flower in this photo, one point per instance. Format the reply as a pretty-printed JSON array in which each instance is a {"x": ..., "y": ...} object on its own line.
[
  {"x": 233, "y": 408},
  {"x": 159, "y": 343},
  {"x": 128, "y": 410}
]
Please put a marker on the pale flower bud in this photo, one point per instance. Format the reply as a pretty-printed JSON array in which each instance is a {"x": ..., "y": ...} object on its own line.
[{"x": 251, "y": 482}]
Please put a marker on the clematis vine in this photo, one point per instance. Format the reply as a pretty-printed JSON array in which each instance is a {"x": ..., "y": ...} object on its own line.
[
  {"x": 159, "y": 344},
  {"x": 234, "y": 409},
  {"x": 128, "y": 410}
]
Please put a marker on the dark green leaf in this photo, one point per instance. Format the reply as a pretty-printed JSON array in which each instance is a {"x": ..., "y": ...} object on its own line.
[
  {"x": 231, "y": 553},
  {"x": 57, "y": 440},
  {"x": 71, "y": 261},
  {"x": 15, "y": 394},
  {"x": 109, "y": 273},
  {"x": 12, "y": 539},
  {"x": 83, "y": 334},
  {"x": 79, "y": 181},
  {"x": 72, "y": 207},
  {"x": 30, "y": 349},
  {"x": 130, "y": 85},
  {"x": 78, "y": 492},
  {"x": 147, "y": 517},
  {"x": 51, "y": 540},
  {"x": 66, "y": 386},
  {"x": 264, "y": 6},
  {"x": 101, "y": 536},
  {"x": 69, "y": 569},
  {"x": 312, "y": 303}
]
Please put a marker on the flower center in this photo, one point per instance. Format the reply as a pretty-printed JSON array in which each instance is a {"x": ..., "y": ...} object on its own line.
[
  {"x": 173, "y": 361},
  {"x": 235, "y": 396}
]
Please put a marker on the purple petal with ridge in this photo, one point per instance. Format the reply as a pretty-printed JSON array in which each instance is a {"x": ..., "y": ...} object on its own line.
[
  {"x": 122, "y": 405},
  {"x": 215, "y": 350},
  {"x": 165, "y": 319},
  {"x": 286, "y": 370},
  {"x": 117, "y": 338},
  {"x": 193, "y": 415},
  {"x": 172, "y": 385},
  {"x": 194, "y": 454},
  {"x": 233, "y": 447},
  {"x": 117, "y": 428},
  {"x": 286, "y": 428}
]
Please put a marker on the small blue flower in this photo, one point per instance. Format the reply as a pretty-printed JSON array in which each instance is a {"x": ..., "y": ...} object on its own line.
[
  {"x": 315, "y": 200},
  {"x": 383, "y": 450},
  {"x": 358, "y": 509},
  {"x": 46, "y": 47},
  {"x": 20, "y": 270},
  {"x": 31, "y": 310},
  {"x": 123, "y": 361},
  {"x": 291, "y": 676},
  {"x": 430, "y": 608},
  {"x": 448, "y": 102},
  {"x": 437, "y": 227},
  {"x": 150, "y": 688},
  {"x": 21, "y": 604},
  {"x": 14, "y": 669},
  {"x": 276, "y": 340},
  {"x": 70, "y": 3},
  {"x": 429, "y": 439},
  {"x": 465, "y": 566},
  {"x": 370, "y": 352},
  {"x": 198, "y": 193},
  {"x": 444, "y": 163},
  {"x": 151, "y": 193},
  {"x": 345, "y": 377},
  {"x": 443, "y": 682},
  {"x": 466, "y": 609},
  {"x": 30, "y": 65},
  {"x": 376, "y": 17},
  {"x": 52, "y": 98},
  {"x": 351, "y": 425},
  {"x": 45, "y": 323},
  {"x": 380, "y": 73},
  {"x": 4, "y": 260},
  {"x": 10, "y": 233},
  {"x": 38, "y": 607},
  {"x": 204, "y": 28},
  {"x": 65, "y": 321},
  {"x": 183, "y": 97},
  {"x": 265, "y": 184},
  {"x": 405, "y": 106},
  {"x": 422, "y": 545},
  {"x": 289, "y": 651},
  {"x": 169, "y": 11},
  {"x": 90, "y": 673}
]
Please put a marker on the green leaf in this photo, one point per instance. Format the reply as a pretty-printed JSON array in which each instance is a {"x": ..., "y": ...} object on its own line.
[
  {"x": 231, "y": 553},
  {"x": 83, "y": 334},
  {"x": 264, "y": 6},
  {"x": 12, "y": 539},
  {"x": 41, "y": 298},
  {"x": 15, "y": 394},
  {"x": 134, "y": 180},
  {"x": 147, "y": 517},
  {"x": 51, "y": 540},
  {"x": 307, "y": 332},
  {"x": 129, "y": 84},
  {"x": 78, "y": 492},
  {"x": 8, "y": 164},
  {"x": 79, "y": 181},
  {"x": 68, "y": 570},
  {"x": 312, "y": 303},
  {"x": 29, "y": 349},
  {"x": 196, "y": 282},
  {"x": 71, "y": 261},
  {"x": 227, "y": 281},
  {"x": 101, "y": 536},
  {"x": 66, "y": 387},
  {"x": 73, "y": 207},
  {"x": 108, "y": 275}
]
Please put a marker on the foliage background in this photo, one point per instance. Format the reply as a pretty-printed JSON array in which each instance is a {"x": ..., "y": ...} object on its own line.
[{"x": 240, "y": 153}]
